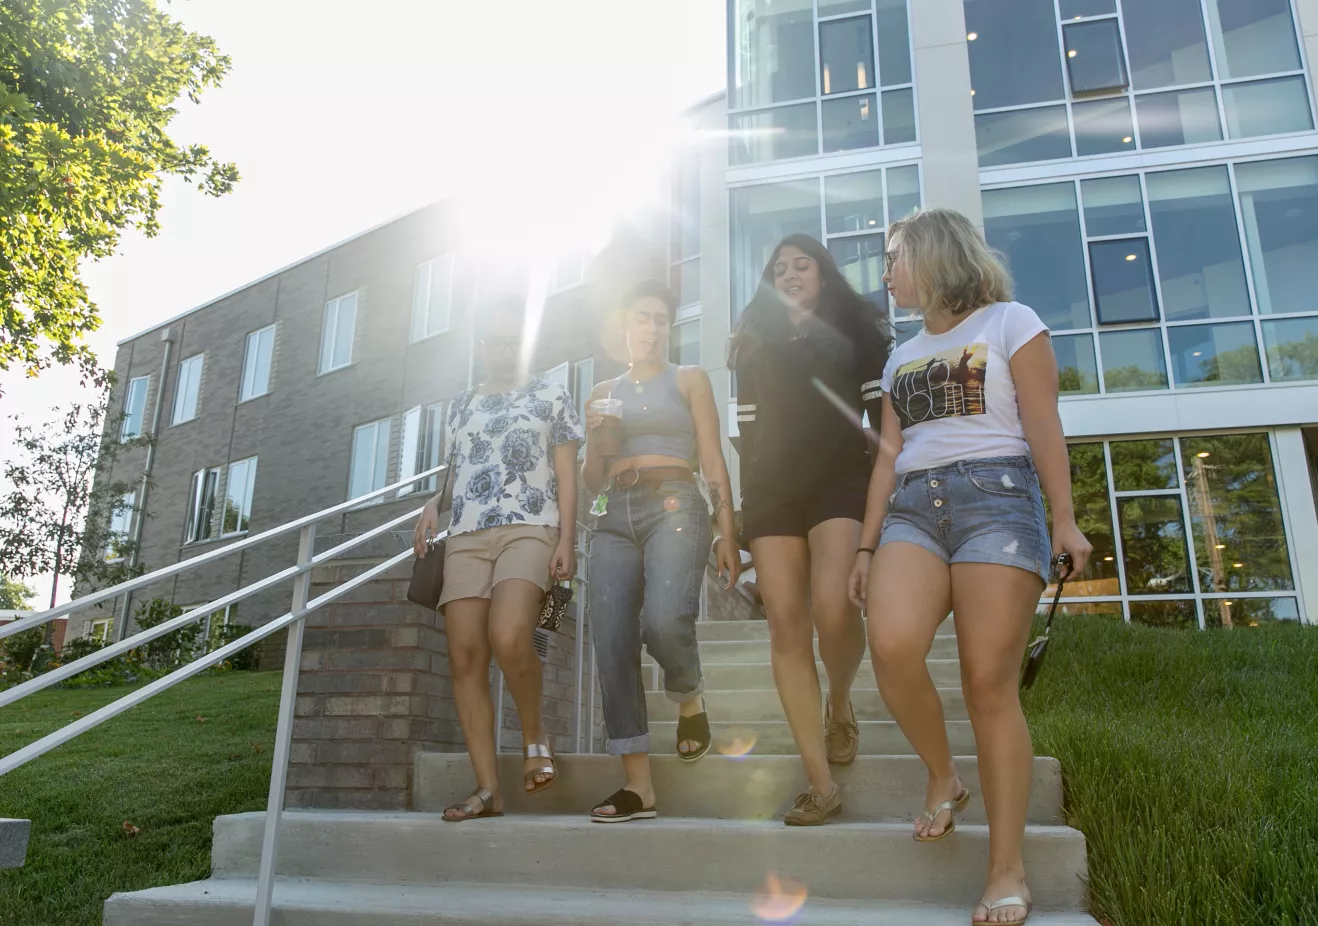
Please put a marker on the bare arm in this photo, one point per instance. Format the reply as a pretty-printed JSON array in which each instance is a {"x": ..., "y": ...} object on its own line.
[
  {"x": 1034, "y": 370},
  {"x": 565, "y": 471},
  {"x": 695, "y": 385},
  {"x": 594, "y": 469},
  {"x": 883, "y": 481}
]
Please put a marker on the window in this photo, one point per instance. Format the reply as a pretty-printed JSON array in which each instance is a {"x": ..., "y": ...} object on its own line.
[
  {"x": 134, "y": 407},
  {"x": 99, "y": 631},
  {"x": 684, "y": 243},
  {"x": 1152, "y": 61},
  {"x": 1199, "y": 262},
  {"x": 187, "y": 390},
  {"x": 1077, "y": 368},
  {"x": 201, "y": 508},
  {"x": 238, "y": 497},
  {"x": 569, "y": 271},
  {"x": 1038, "y": 230},
  {"x": 337, "y": 334},
  {"x": 1292, "y": 348},
  {"x": 1123, "y": 281},
  {"x": 1279, "y": 207},
  {"x": 1214, "y": 355},
  {"x": 684, "y": 348},
  {"x": 432, "y": 298},
  {"x": 370, "y": 458},
  {"x": 561, "y": 374},
  {"x": 121, "y": 523},
  {"x": 213, "y": 627},
  {"x": 792, "y": 70},
  {"x": 761, "y": 217},
  {"x": 1132, "y": 360},
  {"x": 583, "y": 380},
  {"x": 423, "y": 441},
  {"x": 256, "y": 364}
]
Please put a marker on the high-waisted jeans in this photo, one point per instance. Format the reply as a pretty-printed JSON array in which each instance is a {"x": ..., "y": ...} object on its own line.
[{"x": 647, "y": 559}]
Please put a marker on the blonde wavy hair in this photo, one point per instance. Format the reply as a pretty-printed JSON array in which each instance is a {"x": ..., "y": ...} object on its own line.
[{"x": 949, "y": 264}]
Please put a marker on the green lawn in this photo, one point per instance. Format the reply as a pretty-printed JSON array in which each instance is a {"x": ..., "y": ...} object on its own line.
[{"x": 168, "y": 768}]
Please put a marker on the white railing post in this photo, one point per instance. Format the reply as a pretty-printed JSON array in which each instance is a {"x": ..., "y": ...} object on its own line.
[{"x": 265, "y": 885}]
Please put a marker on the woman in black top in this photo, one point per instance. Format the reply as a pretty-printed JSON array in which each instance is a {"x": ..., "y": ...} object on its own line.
[{"x": 809, "y": 353}]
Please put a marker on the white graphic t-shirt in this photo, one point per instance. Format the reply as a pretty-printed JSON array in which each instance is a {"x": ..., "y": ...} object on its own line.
[
  {"x": 953, "y": 392},
  {"x": 503, "y": 455}
]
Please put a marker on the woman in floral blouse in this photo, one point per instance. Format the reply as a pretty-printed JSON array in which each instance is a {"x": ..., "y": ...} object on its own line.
[{"x": 512, "y": 535}]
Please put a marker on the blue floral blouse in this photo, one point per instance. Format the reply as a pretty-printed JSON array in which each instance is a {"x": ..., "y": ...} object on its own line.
[{"x": 503, "y": 460}]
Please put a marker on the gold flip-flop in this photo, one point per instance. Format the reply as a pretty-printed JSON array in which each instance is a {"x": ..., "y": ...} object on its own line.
[{"x": 954, "y": 807}]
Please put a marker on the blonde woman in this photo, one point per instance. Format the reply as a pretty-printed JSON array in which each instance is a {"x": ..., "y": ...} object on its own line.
[{"x": 971, "y": 434}]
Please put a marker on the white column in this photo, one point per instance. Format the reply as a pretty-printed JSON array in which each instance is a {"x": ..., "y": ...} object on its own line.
[
  {"x": 1307, "y": 13},
  {"x": 1297, "y": 498}
]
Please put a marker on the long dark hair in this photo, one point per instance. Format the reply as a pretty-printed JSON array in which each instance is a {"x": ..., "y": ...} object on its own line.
[{"x": 766, "y": 320}]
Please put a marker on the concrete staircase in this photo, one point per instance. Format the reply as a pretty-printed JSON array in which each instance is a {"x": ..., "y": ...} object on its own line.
[{"x": 717, "y": 855}]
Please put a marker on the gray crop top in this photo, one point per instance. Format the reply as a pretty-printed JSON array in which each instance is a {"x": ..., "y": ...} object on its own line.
[{"x": 656, "y": 420}]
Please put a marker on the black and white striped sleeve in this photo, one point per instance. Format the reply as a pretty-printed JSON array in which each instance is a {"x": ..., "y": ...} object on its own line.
[{"x": 748, "y": 425}]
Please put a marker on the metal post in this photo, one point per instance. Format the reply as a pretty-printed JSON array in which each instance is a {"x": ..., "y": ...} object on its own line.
[
  {"x": 274, "y": 810},
  {"x": 590, "y": 719}
]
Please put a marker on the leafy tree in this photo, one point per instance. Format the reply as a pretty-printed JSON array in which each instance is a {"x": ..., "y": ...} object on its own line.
[
  {"x": 14, "y": 596},
  {"x": 88, "y": 89}
]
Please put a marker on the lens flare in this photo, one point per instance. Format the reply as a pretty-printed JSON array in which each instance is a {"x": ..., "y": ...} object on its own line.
[
  {"x": 780, "y": 900},
  {"x": 736, "y": 743}
]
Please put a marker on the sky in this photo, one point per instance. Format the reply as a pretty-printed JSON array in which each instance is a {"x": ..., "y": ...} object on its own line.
[{"x": 342, "y": 115}]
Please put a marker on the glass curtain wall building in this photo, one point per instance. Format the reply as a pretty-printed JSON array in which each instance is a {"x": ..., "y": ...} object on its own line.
[{"x": 1150, "y": 173}]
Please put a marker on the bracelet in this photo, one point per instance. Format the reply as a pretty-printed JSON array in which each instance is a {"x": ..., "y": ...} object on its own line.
[
  {"x": 869, "y": 550},
  {"x": 714, "y": 546}
]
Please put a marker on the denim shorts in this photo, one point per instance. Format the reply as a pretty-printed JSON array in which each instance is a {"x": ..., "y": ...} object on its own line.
[{"x": 974, "y": 511}]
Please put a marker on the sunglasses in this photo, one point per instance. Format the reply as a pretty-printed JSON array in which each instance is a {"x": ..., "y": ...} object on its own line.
[{"x": 889, "y": 260}]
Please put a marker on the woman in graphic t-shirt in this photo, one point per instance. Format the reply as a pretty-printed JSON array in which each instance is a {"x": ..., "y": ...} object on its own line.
[
  {"x": 514, "y": 503},
  {"x": 970, "y": 432}
]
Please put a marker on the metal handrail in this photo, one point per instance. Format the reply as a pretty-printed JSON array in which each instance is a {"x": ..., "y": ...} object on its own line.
[{"x": 165, "y": 572}]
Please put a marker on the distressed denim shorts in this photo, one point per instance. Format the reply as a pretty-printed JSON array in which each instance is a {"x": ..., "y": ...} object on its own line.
[{"x": 974, "y": 511}]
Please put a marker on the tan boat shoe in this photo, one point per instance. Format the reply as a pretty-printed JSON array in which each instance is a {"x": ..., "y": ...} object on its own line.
[
  {"x": 841, "y": 737},
  {"x": 813, "y": 808}
]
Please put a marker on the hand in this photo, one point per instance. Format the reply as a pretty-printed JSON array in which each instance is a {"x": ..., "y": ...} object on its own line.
[
  {"x": 594, "y": 420},
  {"x": 1068, "y": 539},
  {"x": 858, "y": 585},
  {"x": 427, "y": 526},
  {"x": 563, "y": 564},
  {"x": 728, "y": 557}
]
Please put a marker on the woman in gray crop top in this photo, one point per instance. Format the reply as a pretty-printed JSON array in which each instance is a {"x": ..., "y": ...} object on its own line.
[{"x": 651, "y": 541}]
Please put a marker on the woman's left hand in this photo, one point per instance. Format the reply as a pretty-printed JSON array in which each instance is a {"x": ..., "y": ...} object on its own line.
[
  {"x": 563, "y": 564},
  {"x": 728, "y": 556},
  {"x": 1068, "y": 539}
]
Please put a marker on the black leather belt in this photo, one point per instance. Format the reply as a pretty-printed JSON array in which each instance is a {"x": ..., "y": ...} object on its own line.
[{"x": 653, "y": 476}]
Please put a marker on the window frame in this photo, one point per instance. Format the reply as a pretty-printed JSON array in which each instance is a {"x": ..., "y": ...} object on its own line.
[
  {"x": 251, "y": 364},
  {"x": 382, "y": 478},
  {"x": 123, "y": 513},
  {"x": 422, "y": 309},
  {"x": 331, "y": 332},
  {"x": 130, "y": 393},
  {"x": 579, "y": 259},
  {"x": 192, "y": 385},
  {"x": 199, "y": 529},
  {"x": 423, "y": 432},
  {"x": 105, "y": 626},
  {"x": 245, "y": 502}
]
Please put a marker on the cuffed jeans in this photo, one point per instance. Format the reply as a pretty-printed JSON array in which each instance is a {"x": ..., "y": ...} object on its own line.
[{"x": 648, "y": 556}]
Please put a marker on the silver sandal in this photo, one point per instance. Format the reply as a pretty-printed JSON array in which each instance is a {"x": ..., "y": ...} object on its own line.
[
  {"x": 953, "y": 807},
  {"x": 549, "y": 767},
  {"x": 1008, "y": 902},
  {"x": 468, "y": 811}
]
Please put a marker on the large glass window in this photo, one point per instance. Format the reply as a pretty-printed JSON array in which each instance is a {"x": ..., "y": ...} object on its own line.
[
  {"x": 773, "y": 134},
  {"x": 1132, "y": 360},
  {"x": 846, "y": 54},
  {"x": 1167, "y": 43},
  {"x": 1292, "y": 348},
  {"x": 1077, "y": 369},
  {"x": 1253, "y": 37},
  {"x": 1214, "y": 355},
  {"x": 1194, "y": 225},
  {"x": 1094, "y": 59},
  {"x": 1279, "y": 207},
  {"x": 761, "y": 217},
  {"x": 851, "y": 122},
  {"x": 1180, "y": 117},
  {"x": 1013, "y": 52},
  {"x": 773, "y": 52},
  {"x": 1123, "y": 281},
  {"x": 1022, "y": 135},
  {"x": 684, "y": 257},
  {"x": 1037, "y": 228},
  {"x": 1267, "y": 107}
]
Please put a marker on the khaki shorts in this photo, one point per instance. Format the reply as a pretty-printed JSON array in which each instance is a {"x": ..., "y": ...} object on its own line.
[{"x": 477, "y": 561}]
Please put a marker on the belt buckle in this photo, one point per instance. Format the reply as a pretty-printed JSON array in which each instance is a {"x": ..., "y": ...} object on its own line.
[{"x": 620, "y": 480}]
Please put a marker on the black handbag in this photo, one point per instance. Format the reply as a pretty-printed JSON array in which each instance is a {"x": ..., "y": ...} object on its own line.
[
  {"x": 554, "y": 608},
  {"x": 1034, "y": 661},
  {"x": 428, "y": 571}
]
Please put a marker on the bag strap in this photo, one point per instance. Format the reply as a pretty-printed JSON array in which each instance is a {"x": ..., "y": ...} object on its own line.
[{"x": 1057, "y": 597}]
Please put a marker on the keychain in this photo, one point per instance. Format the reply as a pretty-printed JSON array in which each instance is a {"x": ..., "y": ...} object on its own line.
[{"x": 601, "y": 506}]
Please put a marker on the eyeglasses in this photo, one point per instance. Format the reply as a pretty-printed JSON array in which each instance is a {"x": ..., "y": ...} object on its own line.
[
  {"x": 500, "y": 345},
  {"x": 889, "y": 260}
]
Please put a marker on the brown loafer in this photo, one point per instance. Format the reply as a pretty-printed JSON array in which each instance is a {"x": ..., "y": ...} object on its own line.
[
  {"x": 813, "y": 808},
  {"x": 841, "y": 737}
]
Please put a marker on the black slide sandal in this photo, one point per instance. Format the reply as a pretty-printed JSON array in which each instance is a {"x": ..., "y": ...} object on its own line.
[
  {"x": 694, "y": 729},
  {"x": 626, "y": 805}
]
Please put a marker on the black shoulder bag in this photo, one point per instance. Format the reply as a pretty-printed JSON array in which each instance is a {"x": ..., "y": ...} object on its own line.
[
  {"x": 428, "y": 571},
  {"x": 1034, "y": 661}
]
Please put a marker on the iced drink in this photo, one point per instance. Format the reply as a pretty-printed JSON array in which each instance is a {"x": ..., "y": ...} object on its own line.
[{"x": 608, "y": 437}]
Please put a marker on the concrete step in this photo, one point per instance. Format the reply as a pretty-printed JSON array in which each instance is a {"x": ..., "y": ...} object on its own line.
[
  {"x": 759, "y": 630},
  {"x": 843, "y": 861},
  {"x": 748, "y": 705},
  {"x": 318, "y": 903},
  {"x": 774, "y": 738},
  {"x": 877, "y": 788},
  {"x": 740, "y": 651},
  {"x": 946, "y": 673}
]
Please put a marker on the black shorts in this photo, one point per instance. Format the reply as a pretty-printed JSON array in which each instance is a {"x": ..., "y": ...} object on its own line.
[{"x": 765, "y": 513}]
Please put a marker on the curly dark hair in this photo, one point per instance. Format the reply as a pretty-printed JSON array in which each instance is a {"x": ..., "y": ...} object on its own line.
[{"x": 766, "y": 320}]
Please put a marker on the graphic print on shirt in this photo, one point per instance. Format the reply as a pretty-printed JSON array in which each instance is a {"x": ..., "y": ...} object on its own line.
[{"x": 948, "y": 384}]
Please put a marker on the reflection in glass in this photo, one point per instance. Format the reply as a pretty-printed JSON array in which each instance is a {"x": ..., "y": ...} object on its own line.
[
  {"x": 894, "y": 42},
  {"x": 1292, "y": 346},
  {"x": 1113, "y": 206},
  {"x": 903, "y": 192},
  {"x": 686, "y": 281},
  {"x": 762, "y": 216},
  {"x": 1182, "y": 117},
  {"x": 861, "y": 261},
  {"x": 1194, "y": 230},
  {"x": 1094, "y": 610},
  {"x": 1253, "y": 37},
  {"x": 1267, "y": 107},
  {"x": 1103, "y": 126},
  {"x": 1153, "y": 544},
  {"x": 772, "y": 57},
  {"x": 1180, "y": 614},
  {"x": 1214, "y": 355},
  {"x": 773, "y": 134},
  {"x": 1249, "y": 612},
  {"x": 1094, "y": 59},
  {"x": 1144, "y": 465},
  {"x": 1279, "y": 205},
  {"x": 1037, "y": 228},
  {"x": 1077, "y": 370},
  {"x": 1123, "y": 281},
  {"x": 854, "y": 202},
  {"x": 898, "y": 117},
  {"x": 1166, "y": 43},
  {"x": 1075, "y": 9},
  {"x": 1021, "y": 135},
  {"x": 846, "y": 55},
  {"x": 686, "y": 215},
  {"x": 851, "y": 122},
  {"x": 1014, "y": 57},
  {"x": 1235, "y": 513},
  {"x": 1093, "y": 514},
  {"x": 684, "y": 344},
  {"x": 838, "y": 7},
  {"x": 1132, "y": 360}
]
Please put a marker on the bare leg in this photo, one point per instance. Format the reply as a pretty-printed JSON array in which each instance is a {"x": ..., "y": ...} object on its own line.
[
  {"x": 782, "y": 572},
  {"x": 841, "y": 631},
  {"x": 910, "y": 595},
  {"x": 994, "y": 606},
  {"x": 636, "y": 770},
  {"x": 514, "y": 610},
  {"x": 466, "y": 622}
]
